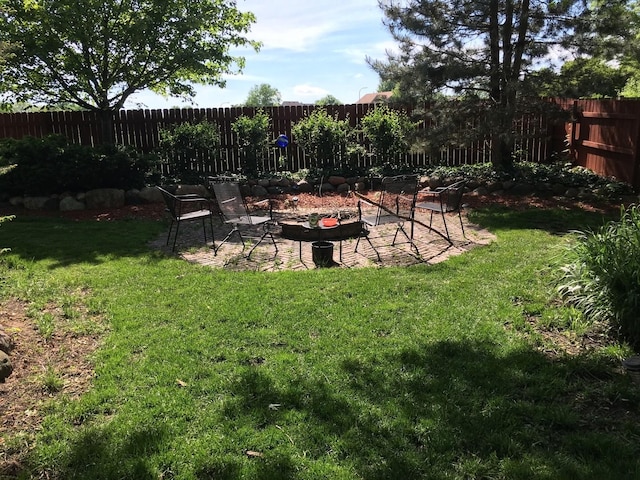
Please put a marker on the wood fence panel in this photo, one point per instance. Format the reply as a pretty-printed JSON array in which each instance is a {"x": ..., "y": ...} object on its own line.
[{"x": 604, "y": 137}]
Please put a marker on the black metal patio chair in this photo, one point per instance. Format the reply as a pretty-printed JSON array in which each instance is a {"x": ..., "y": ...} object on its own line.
[
  {"x": 183, "y": 208},
  {"x": 235, "y": 211},
  {"x": 395, "y": 204},
  {"x": 443, "y": 200}
]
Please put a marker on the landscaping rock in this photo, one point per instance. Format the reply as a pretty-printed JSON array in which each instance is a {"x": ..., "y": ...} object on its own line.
[
  {"x": 326, "y": 187},
  {"x": 304, "y": 186},
  {"x": 5, "y": 366},
  {"x": 41, "y": 203},
  {"x": 150, "y": 195},
  {"x": 259, "y": 191},
  {"x": 571, "y": 192},
  {"x": 16, "y": 201},
  {"x": 68, "y": 204},
  {"x": 435, "y": 182},
  {"x": 132, "y": 197},
  {"x": 101, "y": 198},
  {"x": 521, "y": 189},
  {"x": 343, "y": 188},
  {"x": 336, "y": 180},
  {"x": 359, "y": 186},
  {"x": 6, "y": 343}
]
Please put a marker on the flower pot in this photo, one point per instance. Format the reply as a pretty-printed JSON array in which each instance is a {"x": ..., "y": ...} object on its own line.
[{"x": 322, "y": 253}]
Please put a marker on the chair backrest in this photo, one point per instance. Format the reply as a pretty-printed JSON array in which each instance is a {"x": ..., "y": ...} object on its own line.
[
  {"x": 398, "y": 196},
  {"x": 171, "y": 202},
  {"x": 230, "y": 200},
  {"x": 453, "y": 196}
]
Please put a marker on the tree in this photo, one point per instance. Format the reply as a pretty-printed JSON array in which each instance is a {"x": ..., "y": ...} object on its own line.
[
  {"x": 263, "y": 95},
  {"x": 97, "y": 53},
  {"x": 389, "y": 132},
  {"x": 328, "y": 100},
  {"x": 580, "y": 78},
  {"x": 477, "y": 51}
]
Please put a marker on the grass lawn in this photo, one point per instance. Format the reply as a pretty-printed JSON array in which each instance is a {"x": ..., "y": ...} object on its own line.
[{"x": 430, "y": 372}]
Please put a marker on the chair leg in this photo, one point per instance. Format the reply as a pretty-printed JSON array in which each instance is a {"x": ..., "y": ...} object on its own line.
[
  {"x": 169, "y": 234},
  {"x": 175, "y": 238},
  {"x": 409, "y": 238},
  {"x": 260, "y": 241},
  {"x": 461, "y": 225},
  {"x": 444, "y": 220},
  {"x": 213, "y": 238},
  {"x": 366, "y": 237},
  {"x": 233, "y": 230}
]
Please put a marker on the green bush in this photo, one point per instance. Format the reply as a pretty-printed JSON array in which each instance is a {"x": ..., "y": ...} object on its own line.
[
  {"x": 253, "y": 138},
  {"x": 49, "y": 165},
  {"x": 602, "y": 277},
  {"x": 186, "y": 144},
  {"x": 389, "y": 133},
  {"x": 323, "y": 138}
]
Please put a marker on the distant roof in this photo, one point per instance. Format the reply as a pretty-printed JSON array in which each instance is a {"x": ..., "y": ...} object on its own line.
[{"x": 375, "y": 97}]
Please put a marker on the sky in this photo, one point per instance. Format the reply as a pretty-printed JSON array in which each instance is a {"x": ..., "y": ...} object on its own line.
[{"x": 310, "y": 50}]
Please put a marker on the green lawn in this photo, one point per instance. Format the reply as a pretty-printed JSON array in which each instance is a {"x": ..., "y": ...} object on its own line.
[{"x": 428, "y": 372}]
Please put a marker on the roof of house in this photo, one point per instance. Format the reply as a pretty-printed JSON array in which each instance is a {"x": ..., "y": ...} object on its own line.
[{"x": 375, "y": 97}]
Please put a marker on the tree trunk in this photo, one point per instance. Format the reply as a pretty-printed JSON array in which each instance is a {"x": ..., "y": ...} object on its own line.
[{"x": 107, "y": 135}]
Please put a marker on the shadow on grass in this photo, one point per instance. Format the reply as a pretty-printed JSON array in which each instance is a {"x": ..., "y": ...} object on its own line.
[
  {"x": 65, "y": 242},
  {"x": 553, "y": 220},
  {"x": 442, "y": 410}
]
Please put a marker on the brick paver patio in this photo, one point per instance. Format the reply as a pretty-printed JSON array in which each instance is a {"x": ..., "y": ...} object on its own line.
[{"x": 432, "y": 248}]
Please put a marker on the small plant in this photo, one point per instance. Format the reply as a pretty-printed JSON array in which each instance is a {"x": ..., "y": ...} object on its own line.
[
  {"x": 323, "y": 138},
  {"x": 253, "y": 137},
  {"x": 46, "y": 324},
  {"x": 602, "y": 277},
  {"x": 51, "y": 381},
  {"x": 389, "y": 132}
]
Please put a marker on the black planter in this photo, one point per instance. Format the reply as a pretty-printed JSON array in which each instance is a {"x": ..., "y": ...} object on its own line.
[{"x": 322, "y": 254}]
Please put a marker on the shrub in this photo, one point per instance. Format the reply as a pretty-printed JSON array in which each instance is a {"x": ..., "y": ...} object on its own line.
[
  {"x": 186, "y": 144},
  {"x": 2, "y": 220},
  {"x": 253, "y": 136},
  {"x": 323, "y": 138},
  {"x": 51, "y": 165},
  {"x": 602, "y": 277},
  {"x": 389, "y": 132}
]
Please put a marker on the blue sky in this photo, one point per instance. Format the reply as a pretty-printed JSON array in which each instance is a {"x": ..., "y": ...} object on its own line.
[{"x": 310, "y": 49}]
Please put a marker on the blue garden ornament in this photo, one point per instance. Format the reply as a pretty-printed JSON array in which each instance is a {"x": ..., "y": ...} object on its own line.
[{"x": 282, "y": 141}]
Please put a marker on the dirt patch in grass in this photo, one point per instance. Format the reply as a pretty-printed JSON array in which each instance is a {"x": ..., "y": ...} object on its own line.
[{"x": 43, "y": 369}]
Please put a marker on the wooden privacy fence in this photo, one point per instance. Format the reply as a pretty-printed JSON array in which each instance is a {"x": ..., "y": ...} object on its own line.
[
  {"x": 140, "y": 129},
  {"x": 604, "y": 136}
]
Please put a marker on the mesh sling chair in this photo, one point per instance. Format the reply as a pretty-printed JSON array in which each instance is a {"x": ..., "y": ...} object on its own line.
[
  {"x": 183, "y": 208},
  {"x": 395, "y": 204},
  {"x": 235, "y": 212},
  {"x": 444, "y": 200}
]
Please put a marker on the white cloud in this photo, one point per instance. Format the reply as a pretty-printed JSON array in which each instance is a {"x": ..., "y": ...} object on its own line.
[{"x": 307, "y": 91}]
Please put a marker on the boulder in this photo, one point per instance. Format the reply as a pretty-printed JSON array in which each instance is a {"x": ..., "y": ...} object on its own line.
[
  {"x": 259, "y": 191},
  {"x": 68, "y": 204},
  {"x": 5, "y": 366},
  {"x": 304, "y": 186},
  {"x": 6, "y": 343},
  {"x": 104, "y": 198},
  {"x": 41, "y": 203},
  {"x": 16, "y": 201},
  {"x": 336, "y": 180},
  {"x": 343, "y": 188},
  {"x": 150, "y": 195}
]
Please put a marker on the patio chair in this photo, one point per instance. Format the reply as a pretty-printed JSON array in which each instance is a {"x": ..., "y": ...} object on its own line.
[
  {"x": 395, "y": 204},
  {"x": 444, "y": 200},
  {"x": 235, "y": 211},
  {"x": 183, "y": 208}
]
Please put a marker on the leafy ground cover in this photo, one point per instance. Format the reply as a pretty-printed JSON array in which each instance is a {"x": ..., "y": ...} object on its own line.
[{"x": 465, "y": 369}]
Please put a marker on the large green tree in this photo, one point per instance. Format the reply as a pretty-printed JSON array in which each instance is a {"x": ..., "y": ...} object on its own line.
[
  {"x": 97, "y": 53},
  {"x": 263, "y": 95},
  {"x": 476, "y": 51}
]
